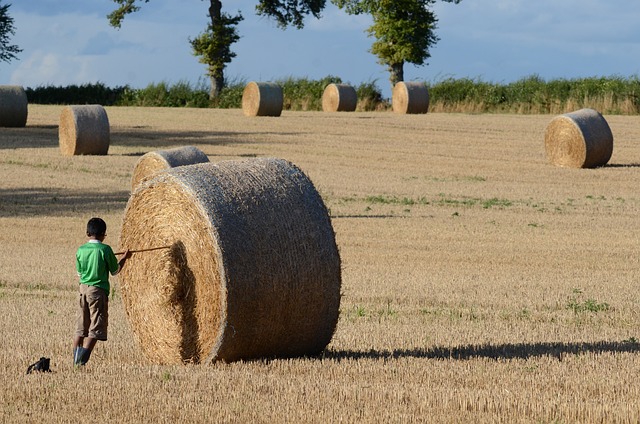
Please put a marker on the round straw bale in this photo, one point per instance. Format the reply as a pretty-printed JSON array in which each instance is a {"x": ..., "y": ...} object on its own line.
[
  {"x": 262, "y": 99},
  {"x": 159, "y": 160},
  {"x": 252, "y": 269},
  {"x": 84, "y": 130},
  {"x": 580, "y": 139},
  {"x": 13, "y": 106},
  {"x": 410, "y": 97},
  {"x": 339, "y": 98}
]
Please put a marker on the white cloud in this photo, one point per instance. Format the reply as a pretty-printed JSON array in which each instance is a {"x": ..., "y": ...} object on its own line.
[
  {"x": 76, "y": 49},
  {"x": 43, "y": 68}
]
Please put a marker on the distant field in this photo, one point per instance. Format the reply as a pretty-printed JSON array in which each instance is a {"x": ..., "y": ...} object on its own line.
[{"x": 480, "y": 284}]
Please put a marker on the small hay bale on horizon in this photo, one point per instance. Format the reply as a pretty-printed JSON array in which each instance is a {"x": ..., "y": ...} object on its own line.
[
  {"x": 262, "y": 99},
  {"x": 13, "y": 106},
  {"x": 158, "y": 160},
  {"x": 84, "y": 130},
  {"x": 580, "y": 139},
  {"x": 410, "y": 97},
  {"x": 339, "y": 98},
  {"x": 253, "y": 269}
]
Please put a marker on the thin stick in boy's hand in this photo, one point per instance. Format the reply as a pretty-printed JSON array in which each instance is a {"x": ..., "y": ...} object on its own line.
[{"x": 143, "y": 250}]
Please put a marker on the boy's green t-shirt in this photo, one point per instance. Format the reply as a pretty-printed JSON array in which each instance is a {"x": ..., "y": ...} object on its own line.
[{"x": 94, "y": 262}]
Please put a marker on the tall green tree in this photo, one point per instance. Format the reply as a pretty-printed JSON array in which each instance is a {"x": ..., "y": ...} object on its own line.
[
  {"x": 404, "y": 31},
  {"x": 213, "y": 46},
  {"x": 8, "y": 51}
]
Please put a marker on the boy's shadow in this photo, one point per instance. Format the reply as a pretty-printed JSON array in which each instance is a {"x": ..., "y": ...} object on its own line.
[{"x": 501, "y": 351}]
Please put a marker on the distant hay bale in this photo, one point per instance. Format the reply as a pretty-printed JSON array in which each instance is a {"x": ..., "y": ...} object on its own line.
[
  {"x": 339, "y": 98},
  {"x": 410, "y": 97},
  {"x": 262, "y": 99},
  {"x": 253, "y": 270},
  {"x": 580, "y": 139},
  {"x": 13, "y": 106},
  {"x": 158, "y": 160},
  {"x": 84, "y": 130}
]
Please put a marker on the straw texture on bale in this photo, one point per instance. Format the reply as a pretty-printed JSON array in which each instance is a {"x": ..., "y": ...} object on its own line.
[
  {"x": 410, "y": 97},
  {"x": 159, "y": 160},
  {"x": 339, "y": 98},
  {"x": 580, "y": 139},
  {"x": 13, "y": 106},
  {"x": 262, "y": 99},
  {"x": 253, "y": 270},
  {"x": 84, "y": 130}
]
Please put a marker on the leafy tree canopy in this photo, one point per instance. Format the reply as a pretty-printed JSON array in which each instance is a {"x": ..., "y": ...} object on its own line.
[
  {"x": 126, "y": 7},
  {"x": 404, "y": 30},
  {"x": 285, "y": 12},
  {"x": 290, "y": 11},
  {"x": 8, "y": 51}
]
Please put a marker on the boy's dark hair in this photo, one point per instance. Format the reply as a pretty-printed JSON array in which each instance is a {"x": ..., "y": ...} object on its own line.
[{"x": 96, "y": 227}]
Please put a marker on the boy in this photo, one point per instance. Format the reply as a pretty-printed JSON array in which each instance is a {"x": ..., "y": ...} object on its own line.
[{"x": 94, "y": 262}]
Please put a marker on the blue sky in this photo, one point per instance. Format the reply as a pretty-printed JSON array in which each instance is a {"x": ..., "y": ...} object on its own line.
[{"x": 71, "y": 42}]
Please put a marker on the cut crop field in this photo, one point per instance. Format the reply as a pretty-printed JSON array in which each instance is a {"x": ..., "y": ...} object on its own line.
[{"x": 479, "y": 282}]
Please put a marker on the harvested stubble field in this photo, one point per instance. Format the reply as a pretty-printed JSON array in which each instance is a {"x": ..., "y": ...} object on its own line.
[{"x": 480, "y": 284}]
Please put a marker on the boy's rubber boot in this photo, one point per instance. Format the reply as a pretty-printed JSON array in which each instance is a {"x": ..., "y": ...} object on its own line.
[
  {"x": 77, "y": 356},
  {"x": 80, "y": 356},
  {"x": 85, "y": 356}
]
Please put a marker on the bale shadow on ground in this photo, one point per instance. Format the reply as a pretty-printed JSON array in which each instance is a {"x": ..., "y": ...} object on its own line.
[
  {"x": 29, "y": 137},
  {"x": 36, "y": 136},
  {"x": 164, "y": 139},
  {"x": 501, "y": 351},
  {"x": 43, "y": 201},
  {"x": 378, "y": 216},
  {"x": 622, "y": 165}
]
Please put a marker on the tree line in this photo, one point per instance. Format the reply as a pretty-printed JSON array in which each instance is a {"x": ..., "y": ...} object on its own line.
[
  {"x": 298, "y": 93},
  {"x": 532, "y": 94}
]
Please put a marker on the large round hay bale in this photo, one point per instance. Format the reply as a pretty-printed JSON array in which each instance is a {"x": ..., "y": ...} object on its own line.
[
  {"x": 339, "y": 98},
  {"x": 580, "y": 139},
  {"x": 84, "y": 130},
  {"x": 159, "y": 160},
  {"x": 13, "y": 106},
  {"x": 410, "y": 97},
  {"x": 252, "y": 271},
  {"x": 262, "y": 99}
]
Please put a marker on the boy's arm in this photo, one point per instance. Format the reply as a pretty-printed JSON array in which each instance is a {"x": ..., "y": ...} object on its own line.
[
  {"x": 125, "y": 256},
  {"x": 78, "y": 270}
]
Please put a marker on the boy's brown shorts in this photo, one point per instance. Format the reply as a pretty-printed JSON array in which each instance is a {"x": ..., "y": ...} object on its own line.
[{"x": 93, "y": 313}]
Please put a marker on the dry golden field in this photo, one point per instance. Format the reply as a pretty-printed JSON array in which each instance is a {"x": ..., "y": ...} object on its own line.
[{"x": 480, "y": 284}]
